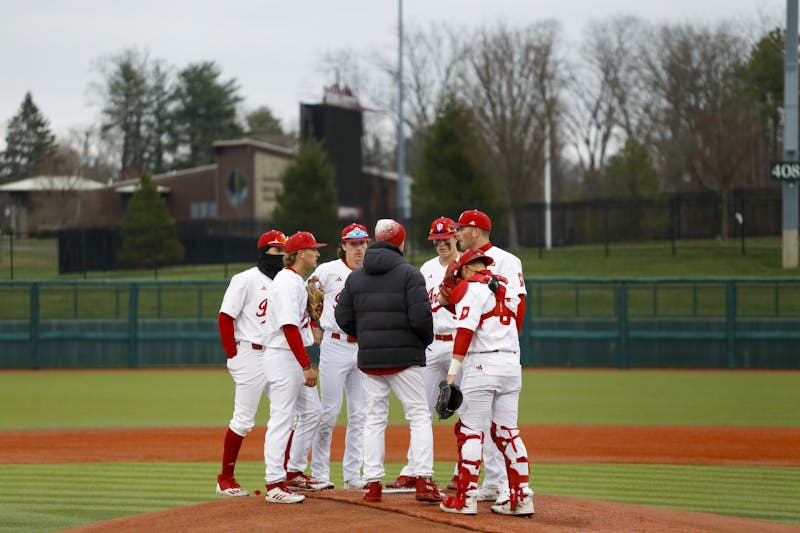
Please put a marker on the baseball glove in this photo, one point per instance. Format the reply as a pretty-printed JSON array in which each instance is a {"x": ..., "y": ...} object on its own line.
[
  {"x": 449, "y": 400},
  {"x": 449, "y": 282},
  {"x": 315, "y": 298}
]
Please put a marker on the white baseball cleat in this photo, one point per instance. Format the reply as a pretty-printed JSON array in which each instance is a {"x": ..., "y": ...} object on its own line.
[
  {"x": 489, "y": 494},
  {"x": 230, "y": 488},
  {"x": 355, "y": 484},
  {"x": 461, "y": 503},
  {"x": 523, "y": 508},
  {"x": 280, "y": 494},
  {"x": 300, "y": 481}
]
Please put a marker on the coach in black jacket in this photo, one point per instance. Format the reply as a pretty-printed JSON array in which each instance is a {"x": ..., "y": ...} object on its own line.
[{"x": 385, "y": 306}]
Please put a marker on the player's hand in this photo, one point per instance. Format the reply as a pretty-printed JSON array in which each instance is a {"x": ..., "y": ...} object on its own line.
[
  {"x": 451, "y": 378},
  {"x": 318, "y": 334},
  {"x": 309, "y": 377}
]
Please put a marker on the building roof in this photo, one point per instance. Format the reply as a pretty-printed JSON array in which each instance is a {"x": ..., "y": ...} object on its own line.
[
  {"x": 52, "y": 183},
  {"x": 258, "y": 144},
  {"x": 133, "y": 187}
]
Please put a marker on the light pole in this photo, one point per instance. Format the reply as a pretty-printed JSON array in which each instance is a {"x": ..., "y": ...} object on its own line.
[
  {"x": 403, "y": 211},
  {"x": 790, "y": 135}
]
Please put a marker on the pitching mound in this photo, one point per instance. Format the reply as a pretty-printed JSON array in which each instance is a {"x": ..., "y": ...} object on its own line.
[{"x": 345, "y": 511}]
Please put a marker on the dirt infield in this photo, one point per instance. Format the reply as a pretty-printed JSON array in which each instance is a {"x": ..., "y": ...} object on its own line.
[
  {"x": 343, "y": 510},
  {"x": 689, "y": 445}
]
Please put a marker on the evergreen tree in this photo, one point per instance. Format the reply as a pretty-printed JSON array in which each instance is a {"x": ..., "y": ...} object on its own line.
[
  {"x": 205, "y": 112},
  {"x": 29, "y": 142},
  {"x": 262, "y": 124},
  {"x": 450, "y": 177},
  {"x": 149, "y": 233},
  {"x": 137, "y": 110},
  {"x": 631, "y": 176},
  {"x": 308, "y": 201}
]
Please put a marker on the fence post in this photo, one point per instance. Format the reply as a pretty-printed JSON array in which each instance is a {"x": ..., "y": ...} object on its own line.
[
  {"x": 674, "y": 216},
  {"x": 133, "y": 325},
  {"x": 622, "y": 325},
  {"x": 741, "y": 221},
  {"x": 605, "y": 227},
  {"x": 11, "y": 254},
  {"x": 730, "y": 322},
  {"x": 34, "y": 326}
]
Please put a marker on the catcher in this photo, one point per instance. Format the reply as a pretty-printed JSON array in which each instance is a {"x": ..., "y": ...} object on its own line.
[{"x": 486, "y": 350}]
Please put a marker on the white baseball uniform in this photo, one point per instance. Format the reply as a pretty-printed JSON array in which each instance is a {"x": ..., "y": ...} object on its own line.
[
  {"x": 510, "y": 267},
  {"x": 245, "y": 301},
  {"x": 338, "y": 371},
  {"x": 440, "y": 351},
  {"x": 491, "y": 381},
  {"x": 289, "y": 397}
]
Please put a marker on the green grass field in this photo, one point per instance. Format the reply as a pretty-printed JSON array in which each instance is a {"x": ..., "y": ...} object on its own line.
[
  {"x": 55, "y": 496},
  {"x": 47, "y": 497},
  {"x": 38, "y": 259}
]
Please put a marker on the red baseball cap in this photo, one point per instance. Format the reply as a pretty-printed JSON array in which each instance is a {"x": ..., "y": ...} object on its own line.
[
  {"x": 473, "y": 254},
  {"x": 272, "y": 238},
  {"x": 302, "y": 240},
  {"x": 390, "y": 231},
  {"x": 442, "y": 228},
  {"x": 355, "y": 233},
  {"x": 475, "y": 219}
]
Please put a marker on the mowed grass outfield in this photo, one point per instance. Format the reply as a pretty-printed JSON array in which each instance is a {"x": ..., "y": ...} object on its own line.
[{"x": 55, "y": 496}]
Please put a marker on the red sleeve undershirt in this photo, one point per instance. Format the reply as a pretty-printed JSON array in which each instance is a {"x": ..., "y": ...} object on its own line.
[
  {"x": 292, "y": 333},
  {"x": 462, "y": 341},
  {"x": 520, "y": 313},
  {"x": 226, "y": 334}
]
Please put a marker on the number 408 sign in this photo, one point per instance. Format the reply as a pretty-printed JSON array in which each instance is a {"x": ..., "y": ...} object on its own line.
[{"x": 785, "y": 170}]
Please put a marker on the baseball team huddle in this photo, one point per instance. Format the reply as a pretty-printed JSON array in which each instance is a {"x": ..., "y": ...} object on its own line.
[{"x": 444, "y": 338}]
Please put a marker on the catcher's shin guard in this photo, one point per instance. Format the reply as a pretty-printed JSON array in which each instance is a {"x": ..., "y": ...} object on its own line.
[
  {"x": 510, "y": 444},
  {"x": 470, "y": 450},
  {"x": 470, "y": 446}
]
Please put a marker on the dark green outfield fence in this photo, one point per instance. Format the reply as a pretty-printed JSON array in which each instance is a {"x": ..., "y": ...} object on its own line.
[{"x": 580, "y": 322}]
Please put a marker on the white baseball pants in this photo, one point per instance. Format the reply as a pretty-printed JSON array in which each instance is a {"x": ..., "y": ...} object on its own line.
[
  {"x": 247, "y": 370},
  {"x": 287, "y": 397},
  {"x": 338, "y": 371},
  {"x": 408, "y": 386}
]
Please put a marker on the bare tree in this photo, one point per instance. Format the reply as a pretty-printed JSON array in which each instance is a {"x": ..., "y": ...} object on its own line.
[
  {"x": 705, "y": 132},
  {"x": 432, "y": 56},
  {"x": 604, "y": 94},
  {"x": 511, "y": 81}
]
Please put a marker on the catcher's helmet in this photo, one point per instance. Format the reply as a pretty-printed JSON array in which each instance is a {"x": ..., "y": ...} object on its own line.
[{"x": 471, "y": 255}]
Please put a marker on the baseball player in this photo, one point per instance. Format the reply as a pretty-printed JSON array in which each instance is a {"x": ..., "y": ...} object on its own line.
[
  {"x": 474, "y": 228},
  {"x": 440, "y": 351},
  {"x": 338, "y": 366},
  {"x": 290, "y": 379},
  {"x": 241, "y": 319},
  {"x": 487, "y": 346}
]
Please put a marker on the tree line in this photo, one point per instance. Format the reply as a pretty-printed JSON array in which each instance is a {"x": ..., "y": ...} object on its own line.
[
  {"x": 154, "y": 118},
  {"x": 634, "y": 110}
]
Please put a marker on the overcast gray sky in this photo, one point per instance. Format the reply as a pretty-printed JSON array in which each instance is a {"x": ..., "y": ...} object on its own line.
[{"x": 273, "y": 48}]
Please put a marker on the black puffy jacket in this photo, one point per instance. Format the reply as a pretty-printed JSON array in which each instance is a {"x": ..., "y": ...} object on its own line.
[{"x": 385, "y": 306}]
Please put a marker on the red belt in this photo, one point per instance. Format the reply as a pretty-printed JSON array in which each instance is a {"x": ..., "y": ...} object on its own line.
[
  {"x": 443, "y": 337},
  {"x": 348, "y": 338},
  {"x": 254, "y": 345}
]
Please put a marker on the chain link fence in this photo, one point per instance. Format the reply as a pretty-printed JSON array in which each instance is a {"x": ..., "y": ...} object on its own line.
[{"x": 743, "y": 220}]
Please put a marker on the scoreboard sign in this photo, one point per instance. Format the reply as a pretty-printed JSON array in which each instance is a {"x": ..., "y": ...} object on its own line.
[{"x": 785, "y": 170}]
